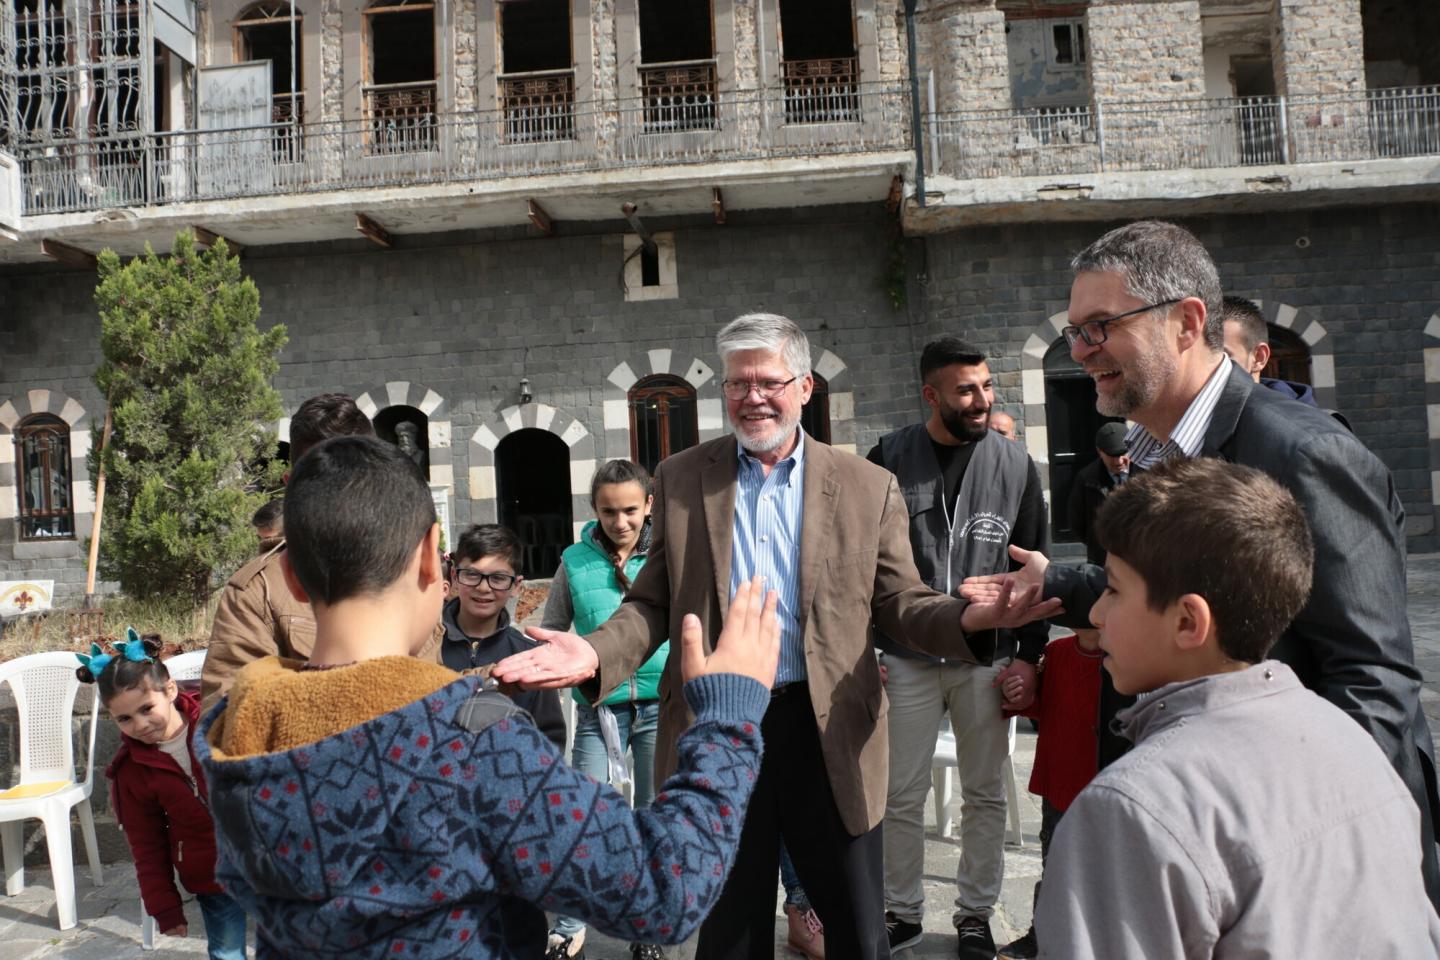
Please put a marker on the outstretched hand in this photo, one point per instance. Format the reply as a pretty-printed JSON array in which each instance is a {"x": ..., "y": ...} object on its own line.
[
  {"x": 749, "y": 643},
  {"x": 1012, "y": 604},
  {"x": 562, "y": 660},
  {"x": 986, "y": 589}
]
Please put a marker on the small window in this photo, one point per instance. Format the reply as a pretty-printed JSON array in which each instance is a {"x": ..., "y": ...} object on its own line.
[
  {"x": 42, "y": 459},
  {"x": 815, "y": 416},
  {"x": 650, "y": 276},
  {"x": 664, "y": 419},
  {"x": 1067, "y": 43}
]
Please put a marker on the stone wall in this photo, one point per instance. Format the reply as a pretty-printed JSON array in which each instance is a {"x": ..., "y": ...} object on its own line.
[
  {"x": 1319, "y": 47},
  {"x": 1145, "y": 51}
]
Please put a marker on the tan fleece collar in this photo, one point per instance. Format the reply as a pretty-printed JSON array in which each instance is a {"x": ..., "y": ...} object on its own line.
[{"x": 276, "y": 706}]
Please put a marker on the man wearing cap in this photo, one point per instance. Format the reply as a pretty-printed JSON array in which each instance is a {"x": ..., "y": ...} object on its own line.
[{"x": 1093, "y": 484}]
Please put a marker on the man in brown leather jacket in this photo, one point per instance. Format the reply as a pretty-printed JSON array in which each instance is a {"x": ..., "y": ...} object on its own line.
[{"x": 258, "y": 616}]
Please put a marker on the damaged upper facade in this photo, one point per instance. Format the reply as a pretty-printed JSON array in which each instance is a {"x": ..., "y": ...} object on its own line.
[
  {"x": 491, "y": 108},
  {"x": 278, "y": 122},
  {"x": 1051, "y": 110}
]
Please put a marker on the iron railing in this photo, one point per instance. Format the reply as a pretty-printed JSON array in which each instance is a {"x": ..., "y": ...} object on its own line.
[
  {"x": 679, "y": 96},
  {"x": 422, "y": 148},
  {"x": 821, "y": 91},
  {"x": 538, "y": 107},
  {"x": 1188, "y": 134}
]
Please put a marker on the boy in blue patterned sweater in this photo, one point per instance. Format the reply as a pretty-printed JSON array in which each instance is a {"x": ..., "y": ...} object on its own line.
[{"x": 370, "y": 804}]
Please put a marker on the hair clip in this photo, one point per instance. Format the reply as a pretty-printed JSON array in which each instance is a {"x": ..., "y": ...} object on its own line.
[
  {"x": 97, "y": 661},
  {"x": 134, "y": 647}
]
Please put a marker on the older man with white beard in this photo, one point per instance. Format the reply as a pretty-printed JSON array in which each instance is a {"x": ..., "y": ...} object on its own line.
[{"x": 829, "y": 532}]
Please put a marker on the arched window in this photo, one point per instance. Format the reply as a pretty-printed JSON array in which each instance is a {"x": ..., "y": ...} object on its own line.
[
  {"x": 533, "y": 471},
  {"x": 1289, "y": 356},
  {"x": 42, "y": 458},
  {"x": 409, "y": 429},
  {"x": 815, "y": 417},
  {"x": 664, "y": 419},
  {"x": 272, "y": 30},
  {"x": 399, "y": 83}
]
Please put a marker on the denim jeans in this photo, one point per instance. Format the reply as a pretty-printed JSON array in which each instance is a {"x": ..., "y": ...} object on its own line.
[
  {"x": 790, "y": 880},
  {"x": 638, "y": 723},
  {"x": 224, "y": 926}
]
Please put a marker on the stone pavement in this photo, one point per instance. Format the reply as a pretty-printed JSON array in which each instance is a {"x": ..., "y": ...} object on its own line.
[{"x": 109, "y": 927}]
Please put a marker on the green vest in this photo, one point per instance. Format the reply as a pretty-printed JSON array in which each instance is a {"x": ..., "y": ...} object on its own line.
[{"x": 595, "y": 595}]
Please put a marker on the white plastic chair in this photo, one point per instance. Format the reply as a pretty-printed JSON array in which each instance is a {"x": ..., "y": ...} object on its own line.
[
  {"x": 184, "y": 668},
  {"x": 940, "y": 769},
  {"x": 44, "y": 686}
]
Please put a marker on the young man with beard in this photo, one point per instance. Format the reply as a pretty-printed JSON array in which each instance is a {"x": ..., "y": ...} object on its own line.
[
  {"x": 828, "y": 532},
  {"x": 970, "y": 493},
  {"x": 1145, "y": 322}
]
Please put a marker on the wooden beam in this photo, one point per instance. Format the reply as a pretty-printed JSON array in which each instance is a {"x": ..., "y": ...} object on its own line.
[
  {"x": 897, "y": 190},
  {"x": 373, "y": 230},
  {"x": 718, "y": 205},
  {"x": 208, "y": 238},
  {"x": 67, "y": 254},
  {"x": 540, "y": 218}
]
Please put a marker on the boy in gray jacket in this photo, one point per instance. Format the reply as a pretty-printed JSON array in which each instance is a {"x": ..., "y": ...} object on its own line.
[{"x": 1253, "y": 818}]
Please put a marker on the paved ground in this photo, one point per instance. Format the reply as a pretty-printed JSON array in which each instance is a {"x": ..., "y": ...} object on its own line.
[{"x": 109, "y": 926}]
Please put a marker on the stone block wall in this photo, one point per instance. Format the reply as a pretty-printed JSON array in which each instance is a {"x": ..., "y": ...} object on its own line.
[
  {"x": 1148, "y": 50},
  {"x": 1319, "y": 47}
]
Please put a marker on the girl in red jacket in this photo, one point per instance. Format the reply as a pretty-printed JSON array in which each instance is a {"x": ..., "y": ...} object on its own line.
[{"x": 158, "y": 792}]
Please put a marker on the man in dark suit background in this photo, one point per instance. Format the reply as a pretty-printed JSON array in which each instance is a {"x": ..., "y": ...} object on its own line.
[
  {"x": 1145, "y": 322},
  {"x": 830, "y": 533},
  {"x": 1094, "y": 482}
]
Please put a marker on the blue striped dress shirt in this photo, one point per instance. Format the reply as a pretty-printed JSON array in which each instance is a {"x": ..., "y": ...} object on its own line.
[
  {"x": 1186, "y": 440},
  {"x": 766, "y": 541}
]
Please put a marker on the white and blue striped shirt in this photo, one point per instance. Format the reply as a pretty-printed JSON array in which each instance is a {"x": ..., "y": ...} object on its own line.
[
  {"x": 1186, "y": 440},
  {"x": 766, "y": 541}
]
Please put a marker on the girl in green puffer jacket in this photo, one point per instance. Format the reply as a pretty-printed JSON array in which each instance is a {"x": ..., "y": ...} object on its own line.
[{"x": 593, "y": 578}]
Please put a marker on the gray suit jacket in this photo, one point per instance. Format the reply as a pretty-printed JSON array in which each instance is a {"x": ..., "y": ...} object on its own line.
[
  {"x": 1351, "y": 643},
  {"x": 855, "y": 566}
]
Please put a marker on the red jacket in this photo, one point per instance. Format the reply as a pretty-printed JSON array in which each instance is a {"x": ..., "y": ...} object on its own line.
[{"x": 166, "y": 819}]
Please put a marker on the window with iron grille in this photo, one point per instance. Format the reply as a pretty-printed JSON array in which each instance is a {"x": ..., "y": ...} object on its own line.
[
  {"x": 815, "y": 415},
  {"x": 663, "y": 419},
  {"x": 272, "y": 30},
  {"x": 42, "y": 468}
]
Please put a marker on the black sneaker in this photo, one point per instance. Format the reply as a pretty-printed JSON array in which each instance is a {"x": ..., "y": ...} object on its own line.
[
  {"x": 1023, "y": 949},
  {"x": 902, "y": 933},
  {"x": 975, "y": 942},
  {"x": 646, "y": 951}
]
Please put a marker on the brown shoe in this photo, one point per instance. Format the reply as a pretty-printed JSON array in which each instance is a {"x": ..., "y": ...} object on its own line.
[{"x": 807, "y": 935}]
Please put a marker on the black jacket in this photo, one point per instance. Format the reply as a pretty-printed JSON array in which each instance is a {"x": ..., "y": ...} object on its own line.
[
  {"x": 1351, "y": 643},
  {"x": 1088, "y": 490},
  {"x": 463, "y": 652}
]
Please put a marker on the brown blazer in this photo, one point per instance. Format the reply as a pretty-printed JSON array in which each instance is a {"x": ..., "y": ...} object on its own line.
[{"x": 855, "y": 566}]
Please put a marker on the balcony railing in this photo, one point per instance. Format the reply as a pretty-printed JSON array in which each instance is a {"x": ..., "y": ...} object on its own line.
[
  {"x": 400, "y": 118},
  {"x": 539, "y": 107},
  {"x": 1189, "y": 134},
  {"x": 678, "y": 96},
  {"x": 422, "y": 148},
  {"x": 821, "y": 91}
]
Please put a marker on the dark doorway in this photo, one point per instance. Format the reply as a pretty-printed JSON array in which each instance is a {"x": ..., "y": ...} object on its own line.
[
  {"x": 1289, "y": 357},
  {"x": 815, "y": 415},
  {"x": 1071, "y": 421},
  {"x": 535, "y": 35},
  {"x": 664, "y": 419},
  {"x": 672, "y": 30},
  {"x": 408, "y": 429},
  {"x": 816, "y": 29},
  {"x": 533, "y": 473}
]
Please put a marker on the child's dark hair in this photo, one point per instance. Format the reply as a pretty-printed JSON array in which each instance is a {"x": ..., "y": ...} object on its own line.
[
  {"x": 355, "y": 509},
  {"x": 121, "y": 674},
  {"x": 1223, "y": 531},
  {"x": 324, "y": 416},
  {"x": 489, "y": 540},
  {"x": 269, "y": 515},
  {"x": 619, "y": 471}
]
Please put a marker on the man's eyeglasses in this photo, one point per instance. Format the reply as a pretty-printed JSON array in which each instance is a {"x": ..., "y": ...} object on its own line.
[
  {"x": 1093, "y": 332},
  {"x": 768, "y": 389},
  {"x": 499, "y": 582}
]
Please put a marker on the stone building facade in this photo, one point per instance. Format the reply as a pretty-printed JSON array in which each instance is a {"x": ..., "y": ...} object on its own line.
[{"x": 504, "y": 306}]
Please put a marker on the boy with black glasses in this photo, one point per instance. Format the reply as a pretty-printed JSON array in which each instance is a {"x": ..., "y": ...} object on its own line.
[{"x": 476, "y": 617}]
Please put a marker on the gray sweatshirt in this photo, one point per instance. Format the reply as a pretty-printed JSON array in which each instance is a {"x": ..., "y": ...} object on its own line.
[{"x": 1253, "y": 819}]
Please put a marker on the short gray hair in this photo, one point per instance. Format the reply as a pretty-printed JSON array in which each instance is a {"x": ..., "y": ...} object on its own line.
[
  {"x": 767, "y": 331},
  {"x": 1159, "y": 261}
]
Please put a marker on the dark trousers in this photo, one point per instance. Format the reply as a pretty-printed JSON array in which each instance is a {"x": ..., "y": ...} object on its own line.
[
  {"x": 842, "y": 875},
  {"x": 1049, "y": 820}
]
